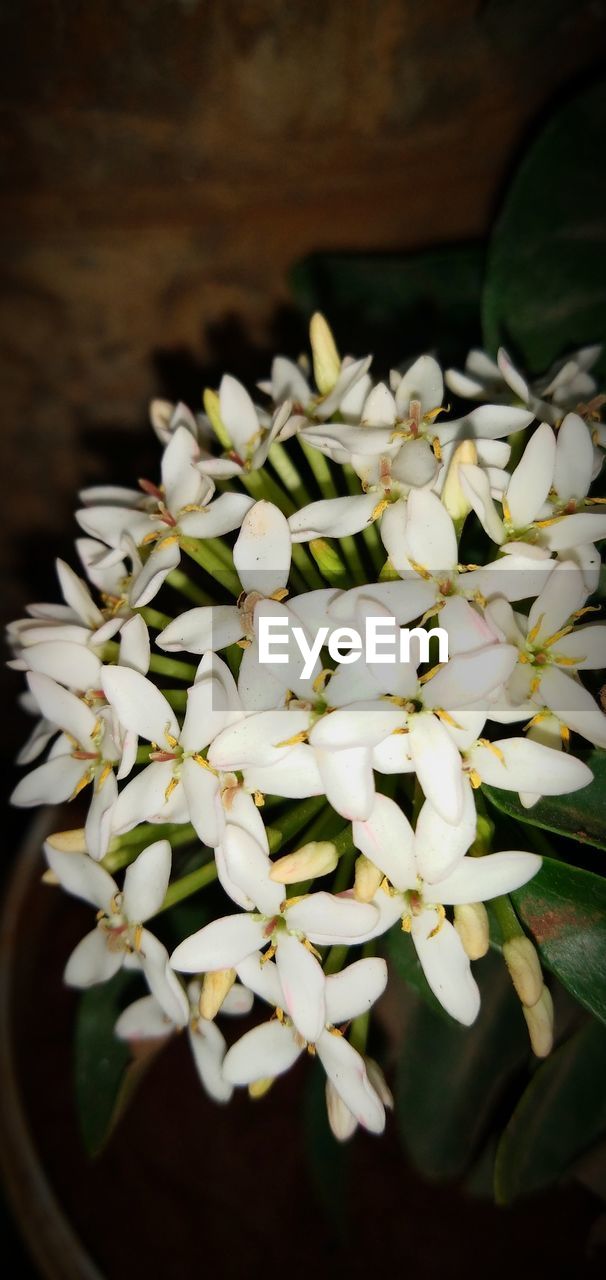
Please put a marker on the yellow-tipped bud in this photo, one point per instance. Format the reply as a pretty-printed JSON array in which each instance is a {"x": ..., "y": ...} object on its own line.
[
  {"x": 327, "y": 363},
  {"x": 68, "y": 841},
  {"x": 327, "y": 559},
  {"x": 259, "y": 1088},
  {"x": 367, "y": 879},
  {"x": 212, "y": 410},
  {"x": 522, "y": 960},
  {"x": 471, "y": 924},
  {"x": 314, "y": 859},
  {"x": 214, "y": 990},
  {"x": 539, "y": 1020},
  {"x": 453, "y": 497}
]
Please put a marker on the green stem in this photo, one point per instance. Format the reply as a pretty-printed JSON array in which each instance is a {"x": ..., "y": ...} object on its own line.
[
  {"x": 187, "y": 885},
  {"x": 295, "y": 820},
  {"x": 203, "y": 552},
  {"x": 147, "y": 833},
  {"x": 153, "y": 618},
  {"x": 180, "y": 582},
  {"x": 358, "y": 1034},
  {"x": 289, "y": 475},
  {"x": 176, "y": 698},
  {"x": 172, "y": 667}
]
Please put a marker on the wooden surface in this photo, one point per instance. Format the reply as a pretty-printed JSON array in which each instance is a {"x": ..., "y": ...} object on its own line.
[{"x": 166, "y": 163}]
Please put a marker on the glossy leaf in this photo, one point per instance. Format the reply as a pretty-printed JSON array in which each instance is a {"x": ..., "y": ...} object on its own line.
[
  {"x": 450, "y": 1077},
  {"x": 103, "y": 1070},
  {"x": 545, "y": 286},
  {"x": 581, "y": 815},
  {"x": 564, "y": 909},
  {"x": 560, "y": 1115}
]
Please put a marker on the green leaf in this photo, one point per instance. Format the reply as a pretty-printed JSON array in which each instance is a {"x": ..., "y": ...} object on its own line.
[
  {"x": 564, "y": 909},
  {"x": 545, "y": 287},
  {"x": 394, "y": 304},
  {"x": 328, "y": 1159},
  {"x": 450, "y": 1077},
  {"x": 402, "y": 954},
  {"x": 581, "y": 816},
  {"x": 101, "y": 1061},
  {"x": 561, "y": 1113}
]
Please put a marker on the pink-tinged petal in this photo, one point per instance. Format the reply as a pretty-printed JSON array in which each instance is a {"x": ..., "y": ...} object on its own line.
[
  {"x": 202, "y": 792},
  {"x": 223, "y": 944},
  {"x": 238, "y": 1001},
  {"x": 145, "y": 1019},
  {"x": 267, "y": 1051},
  {"x": 139, "y": 705},
  {"x": 346, "y": 1070},
  {"x": 70, "y": 664},
  {"x": 354, "y": 990},
  {"x": 196, "y": 630},
  {"x": 387, "y": 839},
  {"x": 208, "y": 1048},
  {"x": 220, "y": 516},
  {"x": 563, "y": 593},
  {"x": 81, "y": 876},
  {"x": 431, "y": 540},
  {"x": 146, "y": 584},
  {"x": 326, "y": 919},
  {"x": 134, "y": 645},
  {"x": 92, "y": 961},
  {"x": 348, "y": 780},
  {"x": 569, "y": 700},
  {"x": 63, "y": 708},
  {"x": 440, "y": 845},
  {"x": 469, "y": 677},
  {"x": 261, "y": 978},
  {"x": 574, "y": 459},
  {"x": 514, "y": 762},
  {"x": 162, "y": 982},
  {"x": 51, "y": 783},
  {"x": 446, "y": 966},
  {"x": 262, "y": 549},
  {"x": 438, "y": 765},
  {"x": 146, "y": 882},
  {"x": 295, "y": 777},
  {"x": 98, "y": 826},
  {"x": 249, "y": 866},
  {"x": 143, "y": 799},
  {"x": 260, "y": 739},
  {"x": 333, "y": 517},
  {"x": 479, "y": 879},
  {"x": 303, "y": 982}
]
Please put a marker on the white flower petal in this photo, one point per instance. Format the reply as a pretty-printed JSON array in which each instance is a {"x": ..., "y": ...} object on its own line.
[
  {"x": 223, "y": 944},
  {"x": 98, "y": 826},
  {"x": 440, "y": 845},
  {"x": 573, "y": 704},
  {"x": 92, "y": 961},
  {"x": 255, "y": 740},
  {"x": 326, "y": 919},
  {"x": 51, "y": 783},
  {"x": 295, "y": 777},
  {"x": 266, "y": 1051},
  {"x": 197, "y": 630},
  {"x": 145, "y": 1019},
  {"x": 249, "y": 866},
  {"x": 162, "y": 982},
  {"x": 81, "y": 876},
  {"x": 220, "y": 516},
  {"x": 202, "y": 791},
  {"x": 354, "y": 990},
  {"x": 263, "y": 549},
  {"x": 147, "y": 582},
  {"x": 563, "y": 593},
  {"x": 208, "y": 1048},
  {"x": 238, "y": 413},
  {"x": 146, "y": 882},
  {"x": 387, "y": 840},
  {"x": 332, "y": 517},
  {"x": 469, "y": 677},
  {"x": 438, "y": 765},
  {"x": 513, "y": 762},
  {"x": 431, "y": 540},
  {"x": 143, "y": 799},
  {"x": 446, "y": 966},
  {"x": 303, "y": 982},
  {"x": 63, "y": 708},
  {"x": 346, "y": 1070},
  {"x": 479, "y": 879},
  {"x": 139, "y": 705},
  {"x": 348, "y": 780},
  {"x": 70, "y": 664},
  {"x": 261, "y": 978},
  {"x": 134, "y": 645}
]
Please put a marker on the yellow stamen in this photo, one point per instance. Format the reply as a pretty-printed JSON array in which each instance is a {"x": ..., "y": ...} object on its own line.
[
  {"x": 446, "y": 717},
  {"x": 174, "y": 782},
  {"x": 437, "y": 447},
  {"x": 496, "y": 751},
  {"x": 441, "y": 918},
  {"x": 406, "y": 924},
  {"x": 475, "y": 779},
  {"x": 380, "y": 508},
  {"x": 294, "y": 741},
  {"x": 259, "y": 799}
]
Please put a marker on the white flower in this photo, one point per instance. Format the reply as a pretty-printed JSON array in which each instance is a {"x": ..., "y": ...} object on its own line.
[
  {"x": 271, "y": 1048},
  {"x": 119, "y": 937},
  {"x": 568, "y": 382}
]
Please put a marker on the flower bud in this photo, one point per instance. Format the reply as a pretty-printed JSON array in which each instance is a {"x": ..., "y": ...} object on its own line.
[
  {"x": 379, "y": 1083},
  {"x": 522, "y": 960},
  {"x": 327, "y": 559},
  {"x": 539, "y": 1020},
  {"x": 340, "y": 1118},
  {"x": 68, "y": 841},
  {"x": 314, "y": 859},
  {"x": 367, "y": 879},
  {"x": 327, "y": 364},
  {"x": 453, "y": 498},
  {"x": 471, "y": 924},
  {"x": 213, "y": 412},
  {"x": 215, "y": 987}
]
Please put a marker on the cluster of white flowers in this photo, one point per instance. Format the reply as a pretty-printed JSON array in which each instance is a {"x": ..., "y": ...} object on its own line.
[{"x": 368, "y": 772}]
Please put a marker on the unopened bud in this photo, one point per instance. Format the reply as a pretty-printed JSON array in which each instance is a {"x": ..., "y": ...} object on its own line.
[
  {"x": 259, "y": 1088},
  {"x": 68, "y": 841},
  {"x": 160, "y": 414},
  {"x": 215, "y": 987},
  {"x": 379, "y": 1083},
  {"x": 522, "y": 960},
  {"x": 539, "y": 1020},
  {"x": 471, "y": 924},
  {"x": 453, "y": 498},
  {"x": 327, "y": 559},
  {"x": 340, "y": 1118},
  {"x": 212, "y": 409},
  {"x": 327, "y": 364},
  {"x": 367, "y": 879},
  {"x": 314, "y": 859}
]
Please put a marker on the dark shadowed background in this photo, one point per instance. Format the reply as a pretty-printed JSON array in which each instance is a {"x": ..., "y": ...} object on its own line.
[{"x": 166, "y": 163}]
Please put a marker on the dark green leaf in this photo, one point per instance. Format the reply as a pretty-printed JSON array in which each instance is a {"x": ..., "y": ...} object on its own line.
[
  {"x": 451, "y": 1077},
  {"x": 101, "y": 1060},
  {"x": 564, "y": 909},
  {"x": 581, "y": 815},
  {"x": 395, "y": 304},
  {"x": 401, "y": 952},
  {"x": 545, "y": 287},
  {"x": 328, "y": 1159},
  {"x": 561, "y": 1113}
]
